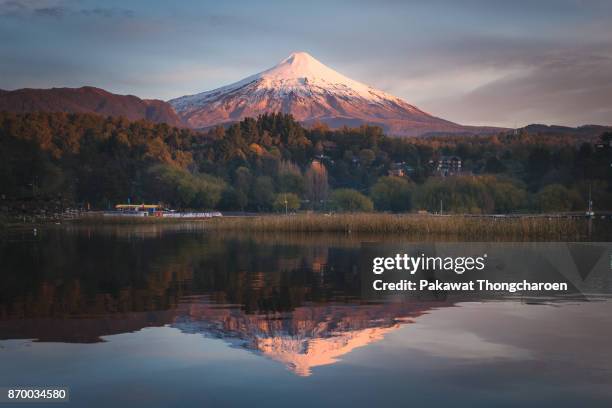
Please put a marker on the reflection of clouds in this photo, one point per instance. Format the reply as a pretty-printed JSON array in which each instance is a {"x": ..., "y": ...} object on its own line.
[
  {"x": 551, "y": 334},
  {"x": 459, "y": 344}
]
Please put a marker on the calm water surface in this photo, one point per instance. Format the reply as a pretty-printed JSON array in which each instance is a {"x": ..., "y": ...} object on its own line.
[{"x": 157, "y": 316}]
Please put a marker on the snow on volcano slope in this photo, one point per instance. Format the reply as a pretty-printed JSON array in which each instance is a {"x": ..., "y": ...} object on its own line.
[{"x": 311, "y": 92}]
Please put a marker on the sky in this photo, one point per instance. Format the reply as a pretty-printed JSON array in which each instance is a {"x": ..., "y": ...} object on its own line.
[{"x": 479, "y": 62}]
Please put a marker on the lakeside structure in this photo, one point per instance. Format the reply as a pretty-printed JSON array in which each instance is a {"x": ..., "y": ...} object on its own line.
[{"x": 155, "y": 210}]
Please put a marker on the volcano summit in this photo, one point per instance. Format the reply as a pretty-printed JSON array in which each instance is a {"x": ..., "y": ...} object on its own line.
[{"x": 311, "y": 92}]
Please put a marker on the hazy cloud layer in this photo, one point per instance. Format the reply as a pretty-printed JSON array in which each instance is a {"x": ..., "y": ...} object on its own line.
[
  {"x": 57, "y": 9},
  {"x": 474, "y": 61}
]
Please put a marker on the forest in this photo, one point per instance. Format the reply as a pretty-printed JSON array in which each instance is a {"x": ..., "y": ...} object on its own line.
[{"x": 274, "y": 164}]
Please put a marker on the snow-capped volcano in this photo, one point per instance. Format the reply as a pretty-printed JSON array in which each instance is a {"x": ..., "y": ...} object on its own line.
[{"x": 311, "y": 92}]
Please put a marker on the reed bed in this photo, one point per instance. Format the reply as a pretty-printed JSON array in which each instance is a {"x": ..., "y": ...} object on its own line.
[
  {"x": 471, "y": 228},
  {"x": 413, "y": 226}
]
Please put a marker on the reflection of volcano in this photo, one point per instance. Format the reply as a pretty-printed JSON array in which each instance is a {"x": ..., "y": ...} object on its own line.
[{"x": 306, "y": 337}]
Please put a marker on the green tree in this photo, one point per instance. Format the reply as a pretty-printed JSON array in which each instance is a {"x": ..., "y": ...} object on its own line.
[
  {"x": 290, "y": 179},
  {"x": 494, "y": 165},
  {"x": 392, "y": 194},
  {"x": 286, "y": 201},
  {"x": 367, "y": 157},
  {"x": 182, "y": 189},
  {"x": 456, "y": 194},
  {"x": 556, "y": 197},
  {"x": 243, "y": 179},
  {"x": 233, "y": 200},
  {"x": 538, "y": 164},
  {"x": 508, "y": 196},
  {"x": 346, "y": 199},
  {"x": 263, "y": 193}
]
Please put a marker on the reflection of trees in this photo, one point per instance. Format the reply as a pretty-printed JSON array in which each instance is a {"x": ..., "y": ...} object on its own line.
[
  {"x": 88, "y": 273},
  {"x": 67, "y": 274},
  {"x": 275, "y": 276}
]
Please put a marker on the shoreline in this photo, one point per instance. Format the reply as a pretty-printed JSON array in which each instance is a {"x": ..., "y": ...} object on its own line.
[{"x": 471, "y": 227}]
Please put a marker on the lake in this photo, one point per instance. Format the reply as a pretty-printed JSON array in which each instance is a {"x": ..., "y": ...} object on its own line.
[{"x": 163, "y": 315}]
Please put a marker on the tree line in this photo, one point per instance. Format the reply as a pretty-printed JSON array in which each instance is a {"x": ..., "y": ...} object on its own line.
[{"x": 273, "y": 163}]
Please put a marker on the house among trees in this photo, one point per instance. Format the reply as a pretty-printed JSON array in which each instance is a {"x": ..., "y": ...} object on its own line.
[
  {"x": 397, "y": 170},
  {"x": 447, "y": 166}
]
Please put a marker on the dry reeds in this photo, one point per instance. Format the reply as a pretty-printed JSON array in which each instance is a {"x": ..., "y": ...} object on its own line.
[
  {"x": 472, "y": 228},
  {"x": 464, "y": 228}
]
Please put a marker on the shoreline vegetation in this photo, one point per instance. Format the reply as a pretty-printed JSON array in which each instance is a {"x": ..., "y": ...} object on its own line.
[
  {"x": 414, "y": 225},
  {"x": 464, "y": 227}
]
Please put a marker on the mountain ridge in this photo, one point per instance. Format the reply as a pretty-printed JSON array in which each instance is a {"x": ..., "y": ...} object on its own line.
[{"x": 88, "y": 99}]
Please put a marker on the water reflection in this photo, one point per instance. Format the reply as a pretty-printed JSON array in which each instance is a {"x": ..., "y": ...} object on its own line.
[{"x": 293, "y": 299}]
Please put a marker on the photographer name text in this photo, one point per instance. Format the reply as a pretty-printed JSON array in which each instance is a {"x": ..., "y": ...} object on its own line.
[{"x": 458, "y": 265}]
